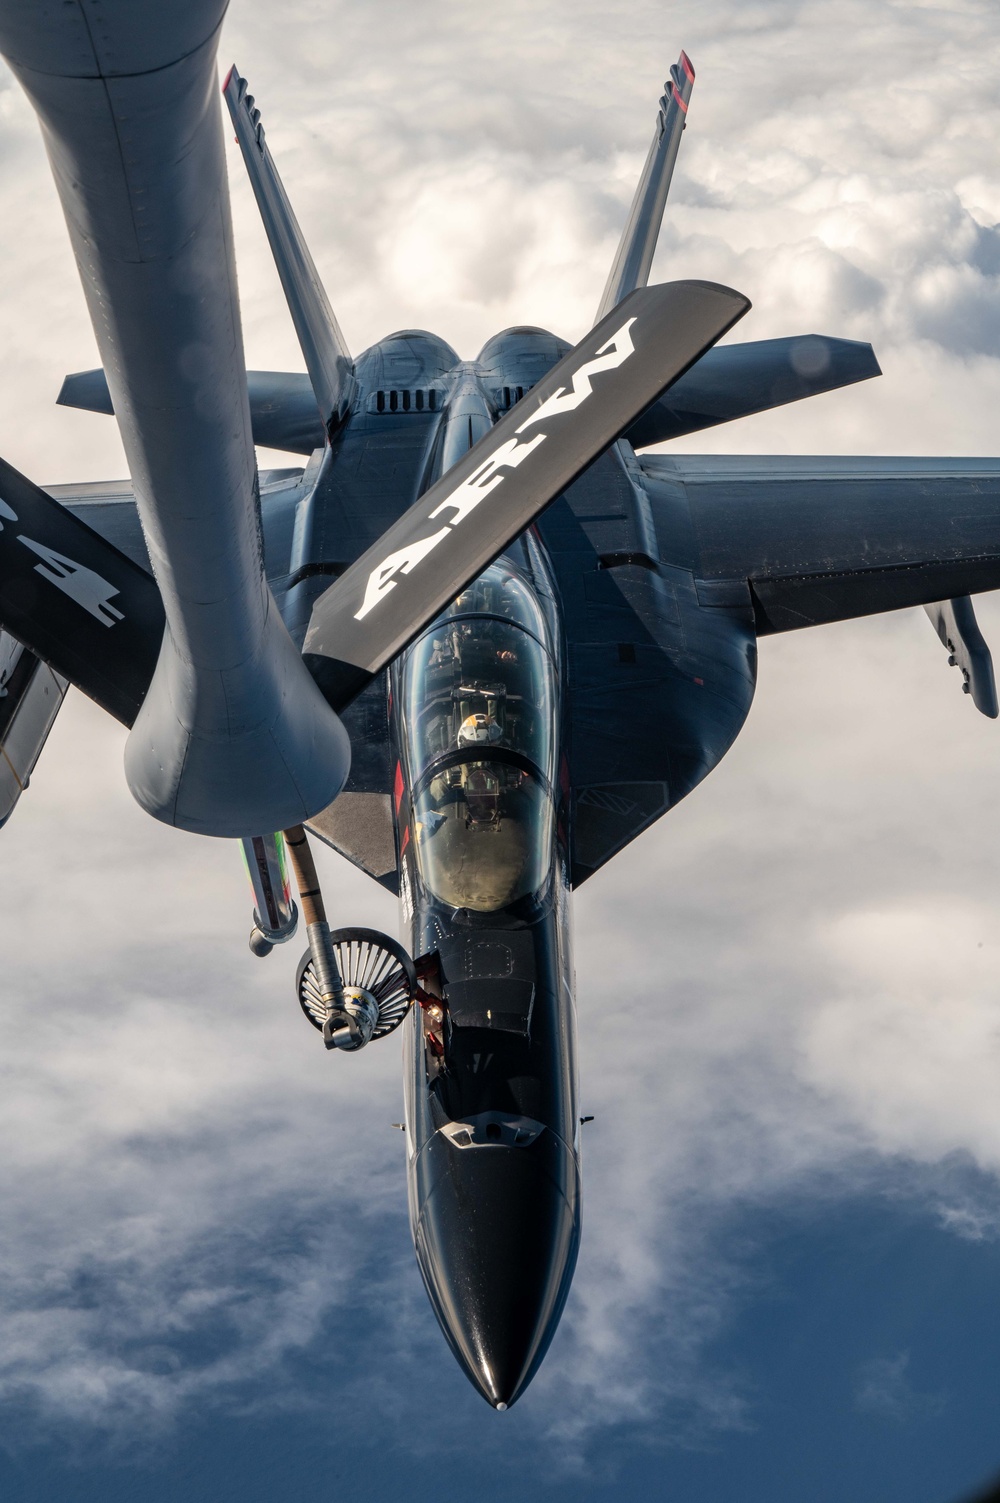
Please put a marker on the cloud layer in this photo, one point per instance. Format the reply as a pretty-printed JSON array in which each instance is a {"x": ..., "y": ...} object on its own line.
[{"x": 797, "y": 970}]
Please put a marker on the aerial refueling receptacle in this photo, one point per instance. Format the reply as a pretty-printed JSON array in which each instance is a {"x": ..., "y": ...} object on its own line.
[{"x": 354, "y": 985}]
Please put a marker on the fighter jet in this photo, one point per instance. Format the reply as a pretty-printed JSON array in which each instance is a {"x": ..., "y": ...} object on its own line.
[{"x": 478, "y": 643}]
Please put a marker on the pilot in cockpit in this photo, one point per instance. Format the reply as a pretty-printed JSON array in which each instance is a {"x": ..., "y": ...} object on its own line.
[{"x": 479, "y": 730}]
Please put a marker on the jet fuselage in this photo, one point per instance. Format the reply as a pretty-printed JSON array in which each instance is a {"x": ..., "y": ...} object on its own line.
[
  {"x": 479, "y": 734},
  {"x": 491, "y": 1100}
]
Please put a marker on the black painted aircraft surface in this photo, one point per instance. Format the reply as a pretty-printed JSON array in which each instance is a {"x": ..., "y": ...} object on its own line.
[{"x": 536, "y": 637}]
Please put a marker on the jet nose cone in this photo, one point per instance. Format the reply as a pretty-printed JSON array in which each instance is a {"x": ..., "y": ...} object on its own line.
[{"x": 496, "y": 1238}]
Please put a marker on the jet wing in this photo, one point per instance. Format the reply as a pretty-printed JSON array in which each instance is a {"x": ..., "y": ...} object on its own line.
[
  {"x": 108, "y": 508},
  {"x": 75, "y": 582},
  {"x": 811, "y": 540},
  {"x": 766, "y": 545}
]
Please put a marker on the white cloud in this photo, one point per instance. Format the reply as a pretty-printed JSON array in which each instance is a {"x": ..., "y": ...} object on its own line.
[
  {"x": 885, "y": 1392},
  {"x": 781, "y": 989}
]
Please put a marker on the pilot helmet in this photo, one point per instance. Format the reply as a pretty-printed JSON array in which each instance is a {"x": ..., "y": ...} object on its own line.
[{"x": 479, "y": 730}]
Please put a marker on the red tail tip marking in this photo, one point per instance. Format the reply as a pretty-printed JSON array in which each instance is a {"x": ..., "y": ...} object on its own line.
[{"x": 685, "y": 62}]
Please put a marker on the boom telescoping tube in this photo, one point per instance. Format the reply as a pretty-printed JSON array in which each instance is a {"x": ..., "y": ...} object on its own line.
[{"x": 233, "y": 735}]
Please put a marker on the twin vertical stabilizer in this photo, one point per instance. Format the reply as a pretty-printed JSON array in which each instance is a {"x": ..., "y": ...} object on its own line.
[
  {"x": 634, "y": 257},
  {"x": 324, "y": 349}
]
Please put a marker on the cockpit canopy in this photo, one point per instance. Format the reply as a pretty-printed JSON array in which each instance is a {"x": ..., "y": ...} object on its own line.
[{"x": 479, "y": 713}]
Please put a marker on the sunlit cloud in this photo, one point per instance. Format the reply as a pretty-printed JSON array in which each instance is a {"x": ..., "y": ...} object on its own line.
[{"x": 782, "y": 990}]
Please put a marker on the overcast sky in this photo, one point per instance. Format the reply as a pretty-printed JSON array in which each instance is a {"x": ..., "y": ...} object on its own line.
[{"x": 789, "y": 990}]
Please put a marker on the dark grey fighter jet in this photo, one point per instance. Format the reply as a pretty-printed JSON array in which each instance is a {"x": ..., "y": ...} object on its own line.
[{"x": 478, "y": 644}]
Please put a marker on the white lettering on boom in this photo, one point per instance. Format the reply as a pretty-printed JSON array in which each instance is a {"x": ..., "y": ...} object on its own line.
[
  {"x": 479, "y": 484},
  {"x": 381, "y": 581},
  {"x": 81, "y": 584},
  {"x": 467, "y": 496},
  {"x": 567, "y": 399}
]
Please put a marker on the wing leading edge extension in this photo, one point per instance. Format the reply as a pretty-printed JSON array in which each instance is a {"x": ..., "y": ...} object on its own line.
[{"x": 448, "y": 537}]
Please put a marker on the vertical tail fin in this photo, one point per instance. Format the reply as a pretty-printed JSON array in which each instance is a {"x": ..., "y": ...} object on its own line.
[
  {"x": 327, "y": 358},
  {"x": 634, "y": 257}
]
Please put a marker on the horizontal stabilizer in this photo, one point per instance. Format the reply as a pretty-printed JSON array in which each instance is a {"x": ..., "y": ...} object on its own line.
[
  {"x": 955, "y": 623},
  {"x": 87, "y": 390},
  {"x": 448, "y": 537},
  {"x": 735, "y": 380},
  {"x": 283, "y": 411},
  {"x": 74, "y": 600},
  {"x": 324, "y": 349}
]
